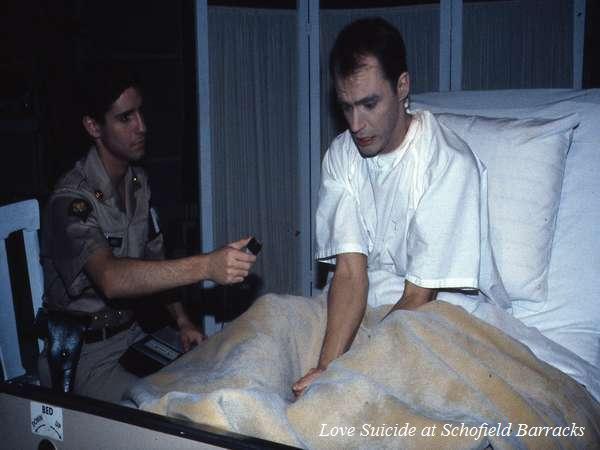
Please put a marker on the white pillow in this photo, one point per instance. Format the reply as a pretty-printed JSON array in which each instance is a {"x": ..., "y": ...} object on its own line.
[{"x": 525, "y": 159}]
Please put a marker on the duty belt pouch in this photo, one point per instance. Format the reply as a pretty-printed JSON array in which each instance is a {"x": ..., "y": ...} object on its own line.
[
  {"x": 152, "y": 353},
  {"x": 64, "y": 333}
]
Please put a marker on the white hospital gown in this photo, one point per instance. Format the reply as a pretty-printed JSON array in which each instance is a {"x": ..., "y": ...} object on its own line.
[{"x": 419, "y": 213}]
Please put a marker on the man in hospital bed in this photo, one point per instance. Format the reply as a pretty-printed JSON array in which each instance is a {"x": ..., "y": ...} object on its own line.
[
  {"x": 402, "y": 206},
  {"x": 403, "y": 215}
]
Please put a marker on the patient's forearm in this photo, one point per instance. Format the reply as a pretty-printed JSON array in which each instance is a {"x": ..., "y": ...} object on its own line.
[
  {"x": 413, "y": 297},
  {"x": 346, "y": 306}
]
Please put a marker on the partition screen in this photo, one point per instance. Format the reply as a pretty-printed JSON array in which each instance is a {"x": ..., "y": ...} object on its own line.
[
  {"x": 517, "y": 44},
  {"x": 253, "y": 94}
]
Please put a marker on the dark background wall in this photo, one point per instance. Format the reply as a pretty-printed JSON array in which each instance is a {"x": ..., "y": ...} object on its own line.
[{"x": 44, "y": 44}]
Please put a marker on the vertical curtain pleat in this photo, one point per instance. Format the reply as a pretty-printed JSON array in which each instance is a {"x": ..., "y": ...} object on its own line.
[
  {"x": 253, "y": 62},
  {"x": 518, "y": 44}
]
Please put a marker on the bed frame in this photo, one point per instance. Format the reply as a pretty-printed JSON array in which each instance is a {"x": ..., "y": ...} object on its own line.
[{"x": 85, "y": 423}]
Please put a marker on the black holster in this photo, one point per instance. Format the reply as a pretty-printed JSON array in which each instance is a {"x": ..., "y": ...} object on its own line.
[{"x": 64, "y": 334}]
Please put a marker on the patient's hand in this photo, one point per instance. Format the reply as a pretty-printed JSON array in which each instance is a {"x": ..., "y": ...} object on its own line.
[{"x": 299, "y": 386}]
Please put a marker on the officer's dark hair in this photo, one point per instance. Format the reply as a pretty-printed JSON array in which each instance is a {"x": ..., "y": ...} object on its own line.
[
  {"x": 372, "y": 36},
  {"x": 102, "y": 83}
]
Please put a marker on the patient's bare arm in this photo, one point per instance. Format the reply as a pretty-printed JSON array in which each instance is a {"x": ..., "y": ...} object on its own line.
[
  {"x": 346, "y": 306},
  {"x": 413, "y": 297},
  {"x": 128, "y": 277}
]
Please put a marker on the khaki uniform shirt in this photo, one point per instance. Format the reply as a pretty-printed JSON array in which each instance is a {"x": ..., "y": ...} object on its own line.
[{"x": 82, "y": 216}]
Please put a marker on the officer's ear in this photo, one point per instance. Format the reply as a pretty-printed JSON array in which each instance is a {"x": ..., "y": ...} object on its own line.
[{"x": 91, "y": 126}]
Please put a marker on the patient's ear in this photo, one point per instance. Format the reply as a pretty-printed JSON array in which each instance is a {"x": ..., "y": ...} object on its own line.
[
  {"x": 91, "y": 126},
  {"x": 403, "y": 86}
]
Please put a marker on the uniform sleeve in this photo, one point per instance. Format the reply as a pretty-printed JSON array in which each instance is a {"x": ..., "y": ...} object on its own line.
[
  {"x": 339, "y": 227},
  {"x": 75, "y": 236},
  {"x": 443, "y": 241}
]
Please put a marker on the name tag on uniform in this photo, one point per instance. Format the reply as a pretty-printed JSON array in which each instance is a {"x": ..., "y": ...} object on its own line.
[{"x": 114, "y": 241}]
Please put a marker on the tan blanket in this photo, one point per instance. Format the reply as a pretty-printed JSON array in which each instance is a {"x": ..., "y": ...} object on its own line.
[{"x": 432, "y": 378}]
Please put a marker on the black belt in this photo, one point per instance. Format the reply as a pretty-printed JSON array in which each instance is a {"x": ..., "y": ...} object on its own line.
[{"x": 101, "y": 334}]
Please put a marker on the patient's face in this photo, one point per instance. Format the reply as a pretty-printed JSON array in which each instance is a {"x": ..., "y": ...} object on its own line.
[{"x": 373, "y": 110}]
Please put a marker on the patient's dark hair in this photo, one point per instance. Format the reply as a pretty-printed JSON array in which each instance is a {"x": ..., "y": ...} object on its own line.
[
  {"x": 101, "y": 84},
  {"x": 364, "y": 37}
]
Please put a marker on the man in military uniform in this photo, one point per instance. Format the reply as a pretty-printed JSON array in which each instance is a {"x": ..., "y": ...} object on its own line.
[{"x": 102, "y": 248}]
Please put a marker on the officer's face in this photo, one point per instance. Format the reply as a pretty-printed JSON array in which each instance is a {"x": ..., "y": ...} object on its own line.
[
  {"x": 123, "y": 133},
  {"x": 373, "y": 110}
]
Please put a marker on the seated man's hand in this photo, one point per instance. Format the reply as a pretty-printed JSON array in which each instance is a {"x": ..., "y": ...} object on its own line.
[
  {"x": 190, "y": 334},
  {"x": 230, "y": 264},
  {"x": 299, "y": 386}
]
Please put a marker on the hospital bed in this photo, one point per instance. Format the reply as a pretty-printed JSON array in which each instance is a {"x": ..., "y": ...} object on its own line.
[{"x": 542, "y": 150}]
